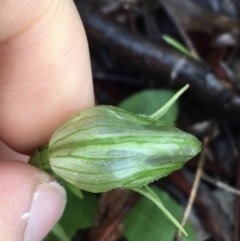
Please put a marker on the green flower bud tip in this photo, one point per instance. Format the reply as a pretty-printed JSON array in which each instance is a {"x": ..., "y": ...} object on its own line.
[{"x": 105, "y": 147}]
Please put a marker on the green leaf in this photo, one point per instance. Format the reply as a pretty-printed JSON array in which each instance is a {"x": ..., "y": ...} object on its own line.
[
  {"x": 78, "y": 214},
  {"x": 177, "y": 45},
  {"x": 146, "y": 222},
  {"x": 173, "y": 42},
  {"x": 151, "y": 195},
  {"x": 51, "y": 237},
  {"x": 59, "y": 232},
  {"x": 164, "y": 109},
  {"x": 149, "y": 101}
]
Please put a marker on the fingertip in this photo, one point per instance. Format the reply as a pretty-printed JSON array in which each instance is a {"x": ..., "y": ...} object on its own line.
[
  {"x": 48, "y": 204},
  {"x": 32, "y": 202}
]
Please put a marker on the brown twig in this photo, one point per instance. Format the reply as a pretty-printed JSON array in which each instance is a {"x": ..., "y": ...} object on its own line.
[
  {"x": 220, "y": 184},
  {"x": 194, "y": 188}
]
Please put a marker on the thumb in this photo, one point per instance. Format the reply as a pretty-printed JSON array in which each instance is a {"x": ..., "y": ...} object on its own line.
[
  {"x": 31, "y": 202},
  {"x": 45, "y": 73}
]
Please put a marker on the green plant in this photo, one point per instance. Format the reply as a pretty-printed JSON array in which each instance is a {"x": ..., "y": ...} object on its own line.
[{"x": 105, "y": 147}]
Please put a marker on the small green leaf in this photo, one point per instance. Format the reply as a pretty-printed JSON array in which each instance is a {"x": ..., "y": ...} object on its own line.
[
  {"x": 151, "y": 195},
  {"x": 148, "y": 101},
  {"x": 145, "y": 222},
  {"x": 35, "y": 159},
  {"x": 59, "y": 232},
  {"x": 51, "y": 237},
  {"x": 164, "y": 109},
  {"x": 177, "y": 45}
]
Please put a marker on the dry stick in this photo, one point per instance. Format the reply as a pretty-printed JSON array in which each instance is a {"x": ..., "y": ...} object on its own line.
[
  {"x": 220, "y": 184},
  {"x": 178, "y": 235}
]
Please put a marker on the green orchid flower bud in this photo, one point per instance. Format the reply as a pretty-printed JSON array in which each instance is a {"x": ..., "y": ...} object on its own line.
[{"x": 105, "y": 147}]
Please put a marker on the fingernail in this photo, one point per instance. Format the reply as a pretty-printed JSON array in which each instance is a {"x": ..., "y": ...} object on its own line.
[{"x": 47, "y": 207}]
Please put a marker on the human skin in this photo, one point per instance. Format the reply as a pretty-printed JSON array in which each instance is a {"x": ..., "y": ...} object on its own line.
[{"x": 45, "y": 77}]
